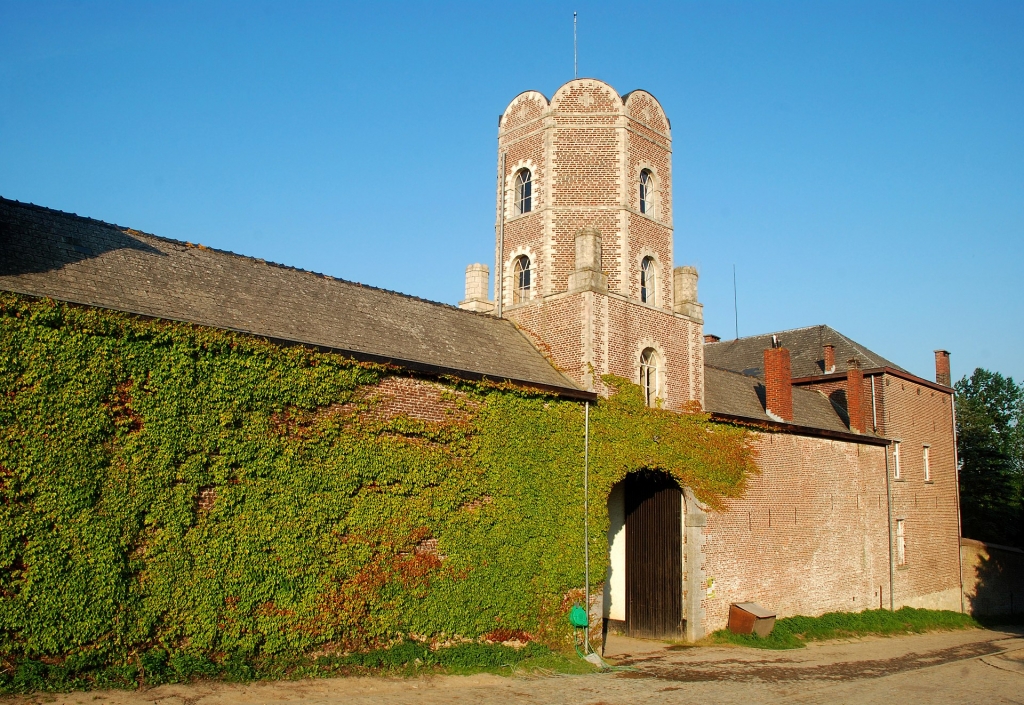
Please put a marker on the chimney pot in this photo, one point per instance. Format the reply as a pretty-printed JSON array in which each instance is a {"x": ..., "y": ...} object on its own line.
[
  {"x": 942, "y": 375},
  {"x": 778, "y": 382},
  {"x": 855, "y": 395},
  {"x": 830, "y": 358}
]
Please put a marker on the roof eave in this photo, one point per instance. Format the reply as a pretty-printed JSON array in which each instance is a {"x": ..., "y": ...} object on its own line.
[
  {"x": 798, "y": 429},
  {"x": 836, "y": 376},
  {"x": 423, "y": 368}
]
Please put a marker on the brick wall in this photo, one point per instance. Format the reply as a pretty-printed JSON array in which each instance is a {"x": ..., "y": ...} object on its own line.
[
  {"x": 916, "y": 415},
  {"x": 809, "y": 536},
  {"x": 993, "y": 578}
]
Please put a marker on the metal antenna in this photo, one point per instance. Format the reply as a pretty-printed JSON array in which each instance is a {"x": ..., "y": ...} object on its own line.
[
  {"x": 735, "y": 304},
  {"x": 575, "y": 60}
]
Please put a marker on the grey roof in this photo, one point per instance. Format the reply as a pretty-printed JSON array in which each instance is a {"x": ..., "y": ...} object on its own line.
[
  {"x": 80, "y": 260},
  {"x": 734, "y": 394},
  {"x": 806, "y": 349}
]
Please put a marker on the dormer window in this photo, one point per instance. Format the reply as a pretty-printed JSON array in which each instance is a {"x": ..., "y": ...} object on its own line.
[
  {"x": 649, "y": 281},
  {"x": 521, "y": 280},
  {"x": 524, "y": 192},
  {"x": 647, "y": 192}
]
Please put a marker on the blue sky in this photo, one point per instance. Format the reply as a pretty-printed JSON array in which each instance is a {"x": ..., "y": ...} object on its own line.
[{"x": 861, "y": 164}]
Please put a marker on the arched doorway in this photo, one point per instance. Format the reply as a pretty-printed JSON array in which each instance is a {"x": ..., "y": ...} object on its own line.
[
  {"x": 653, "y": 508},
  {"x": 644, "y": 590}
]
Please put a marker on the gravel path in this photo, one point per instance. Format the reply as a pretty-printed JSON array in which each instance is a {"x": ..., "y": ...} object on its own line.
[{"x": 974, "y": 666}]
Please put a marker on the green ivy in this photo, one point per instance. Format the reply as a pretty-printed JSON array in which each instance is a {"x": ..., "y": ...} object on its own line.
[{"x": 171, "y": 489}]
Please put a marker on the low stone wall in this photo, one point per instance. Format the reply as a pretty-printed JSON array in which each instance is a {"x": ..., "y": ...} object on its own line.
[{"x": 993, "y": 578}]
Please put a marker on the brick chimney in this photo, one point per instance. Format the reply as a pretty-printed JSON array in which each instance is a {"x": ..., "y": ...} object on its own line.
[
  {"x": 830, "y": 358},
  {"x": 778, "y": 382},
  {"x": 711, "y": 338},
  {"x": 942, "y": 368},
  {"x": 855, "y": 395}
]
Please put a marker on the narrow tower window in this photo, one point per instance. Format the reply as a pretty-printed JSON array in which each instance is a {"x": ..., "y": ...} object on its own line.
[
  {"x": 647, "y": 192},
  {"x": 521, "y": 279},
  {"x": 649, "y": 373},
  {"x": 649, "y": 281},
  {"x": 524, "y": 191}
]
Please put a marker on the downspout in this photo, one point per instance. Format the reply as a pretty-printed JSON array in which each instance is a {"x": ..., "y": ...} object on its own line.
[
  {"x": 959, "y": 527},
  {"x": 892, "y": 564},
  {"x": 499, "y": 269},
  {"x": 874, "y": 407},
  {"x": 586, "y": 516}
]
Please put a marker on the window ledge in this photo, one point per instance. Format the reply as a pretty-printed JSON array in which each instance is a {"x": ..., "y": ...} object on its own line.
[
  {"x": 929, "y": 482},
  {"x": 899, "y": 479},
  {"x": 902, "y": 567}
]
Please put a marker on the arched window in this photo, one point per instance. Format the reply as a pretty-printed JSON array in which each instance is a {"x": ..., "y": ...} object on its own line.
[
  {"x": 521, "y": 280},
  {"x": 649, "y": 281},
  {"x": 649, "y": 374},
  {"x": 647, "y": 192},
  {"x": 524, "y": 191}
]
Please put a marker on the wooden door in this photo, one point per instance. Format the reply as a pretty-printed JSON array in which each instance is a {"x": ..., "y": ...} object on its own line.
[{"x": 654, "y": 556}]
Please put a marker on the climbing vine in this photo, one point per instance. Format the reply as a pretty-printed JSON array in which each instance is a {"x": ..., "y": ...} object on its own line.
[{"x": 167, "y": 488}]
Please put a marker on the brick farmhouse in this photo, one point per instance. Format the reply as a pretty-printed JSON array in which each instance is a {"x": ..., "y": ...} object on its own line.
[{"x": 856, "y": 502}]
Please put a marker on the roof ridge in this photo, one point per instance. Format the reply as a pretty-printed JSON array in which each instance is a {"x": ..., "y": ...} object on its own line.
[{"x": 259, "y": 260}]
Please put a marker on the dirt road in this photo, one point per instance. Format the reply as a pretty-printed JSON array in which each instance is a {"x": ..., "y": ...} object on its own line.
[{"x": 976, "y": 666}]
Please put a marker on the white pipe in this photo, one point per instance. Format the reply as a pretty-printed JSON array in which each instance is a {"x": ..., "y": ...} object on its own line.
[
  {"x": 586, "y": 516},
  {"x": 892, "y": 564},
  {"x": 959, "y": 527}
]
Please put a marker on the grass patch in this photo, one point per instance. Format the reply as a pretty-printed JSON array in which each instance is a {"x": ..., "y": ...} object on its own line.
[
  {"x": 795, "y": 632},
  {"x": 407, "y": 658}
]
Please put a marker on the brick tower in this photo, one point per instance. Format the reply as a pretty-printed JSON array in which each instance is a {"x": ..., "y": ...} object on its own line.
[{"x": 584, "y": 241}]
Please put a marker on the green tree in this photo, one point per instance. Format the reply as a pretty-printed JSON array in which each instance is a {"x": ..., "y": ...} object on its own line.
[{"x": 990, "y": 436}]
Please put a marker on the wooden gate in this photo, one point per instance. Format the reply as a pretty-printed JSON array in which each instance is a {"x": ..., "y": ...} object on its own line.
[{"x": 654, "y": 556}]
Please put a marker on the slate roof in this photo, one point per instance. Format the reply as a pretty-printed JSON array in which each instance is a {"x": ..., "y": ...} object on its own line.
[
  {"x": 737, "y": 395},
  {"x": 806, "y": 349},
  {"x": 44, "y": 252}
]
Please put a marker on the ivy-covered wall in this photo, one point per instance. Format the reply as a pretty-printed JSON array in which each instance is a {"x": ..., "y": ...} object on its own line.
[{"x": 165, "y": 485}]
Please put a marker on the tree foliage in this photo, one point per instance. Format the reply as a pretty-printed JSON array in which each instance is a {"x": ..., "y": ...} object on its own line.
[
  {"x": 174, "y": 492},
  {"x": 990, "y": 438}
]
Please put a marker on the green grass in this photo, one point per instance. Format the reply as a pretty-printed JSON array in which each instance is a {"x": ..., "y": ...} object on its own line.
[
  {"x": 795, "y": 632},
  {"x": 407, "y": 658}
]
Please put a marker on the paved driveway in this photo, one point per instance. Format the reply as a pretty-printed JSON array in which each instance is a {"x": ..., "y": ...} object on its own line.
[{"x": 976, "y": 666}]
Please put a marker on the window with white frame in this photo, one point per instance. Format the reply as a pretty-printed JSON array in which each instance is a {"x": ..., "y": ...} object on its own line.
[
  {"x": 647, "y": 192},
  {"x": 521, "y": 280},
  {"x": 901, "y": 542},
  {"x": 523, "y": 192},
  {"x": 649, "y": 281},
  {"x": 896, "y": 461},
  {"x": 650, "y": 374},
  {"x": 927, "y": 464}
]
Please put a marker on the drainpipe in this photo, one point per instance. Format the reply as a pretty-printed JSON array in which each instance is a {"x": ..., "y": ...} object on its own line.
[
  {"x": 586, "y": 516},
  {"x": 499, "y": 269},
  {"x": 959, "y": 527},
  {"x": 892, "y": 564},
  {"x": 874, "y": 407}
]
